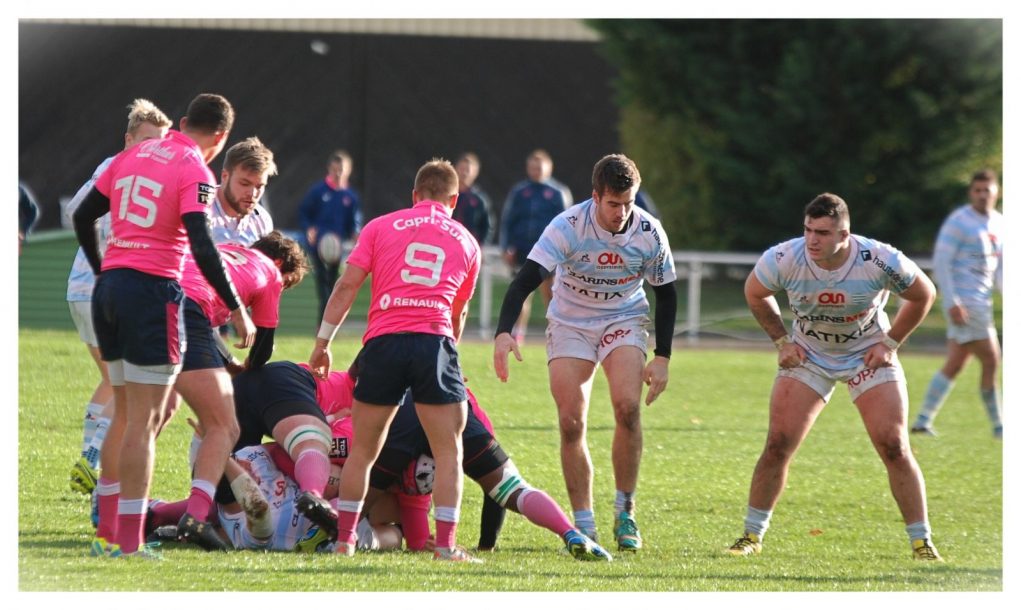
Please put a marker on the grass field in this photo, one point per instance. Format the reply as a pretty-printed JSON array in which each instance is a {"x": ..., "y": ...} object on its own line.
[{"x": 836, "y": 527}]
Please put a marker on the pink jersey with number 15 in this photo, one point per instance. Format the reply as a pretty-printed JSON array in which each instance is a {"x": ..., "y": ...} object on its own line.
[
  {"x": 421, "y": 261},
  {"x": 150, "y": 186}
]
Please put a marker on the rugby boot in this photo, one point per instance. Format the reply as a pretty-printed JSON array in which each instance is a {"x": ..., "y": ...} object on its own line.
[
  {"x": 583, "y": 548},
  {"x": 315, "y": 539},
  {"x": 748, "y": 544},
  {"x": 190, "y": 529},
  {"x": 924, "y": 551},
  {"x": 625, "y": 530},
  {"x": 455, "y": 554},
  {"x": 83, "y": 476},
  {"x": 318, "y": 511}
]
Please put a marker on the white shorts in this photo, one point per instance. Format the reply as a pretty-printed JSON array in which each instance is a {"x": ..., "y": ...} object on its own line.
[
  {"x": 979, "y": 327},
  {"x": 81, "y": 315},
  {"x": 859, "y": 379},
  {"x": 121, "y": 371},
  {"x": 594, "y": 344}
]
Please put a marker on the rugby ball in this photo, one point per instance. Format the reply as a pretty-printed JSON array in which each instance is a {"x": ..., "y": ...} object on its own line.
[{"x": 328, "y": 247}]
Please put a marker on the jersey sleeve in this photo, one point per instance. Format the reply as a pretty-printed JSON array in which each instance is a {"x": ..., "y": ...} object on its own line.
[
  {"x": 265, "y": 303},
  {"x": 467, "y": 289},
  {"x": 948, "y": 241},
  {"x": 900, "y": 270},
  {"x": 767, "y": 269},
  {"x": 361, "y": 254},
  {"x": 103, "y": 182},
  {"x": 554, "y": 245},
  {"x": 196, "y": 187},
  {"x": 660, "y": 268}
]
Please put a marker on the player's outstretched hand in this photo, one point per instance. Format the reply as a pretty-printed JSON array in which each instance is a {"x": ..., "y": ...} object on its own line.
[
  {"x": 503, "y": 344},
  {"x": 243, "y": 328},
  {"x": 320, "y": 360},
  {"x": 655, "y": 376}
]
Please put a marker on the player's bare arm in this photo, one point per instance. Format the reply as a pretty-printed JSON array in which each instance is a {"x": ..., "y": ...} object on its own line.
[
  {"x": 918, "y": 299},
  {"x": 458, "y": 318},
  {"x": 337, "y": 308},
  {"x": 762, "y": 302}
]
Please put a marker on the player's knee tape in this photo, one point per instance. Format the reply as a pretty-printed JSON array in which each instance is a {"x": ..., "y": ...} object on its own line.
[
  {"x": 509, "y": 483},
  {"x": 307, "y": 433}
]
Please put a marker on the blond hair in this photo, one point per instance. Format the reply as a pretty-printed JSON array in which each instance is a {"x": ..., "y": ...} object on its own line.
[
  {"x": 436, "y": 180},
  {"x": 143, "y": 111},
  {"x": 252, "y": 155}
]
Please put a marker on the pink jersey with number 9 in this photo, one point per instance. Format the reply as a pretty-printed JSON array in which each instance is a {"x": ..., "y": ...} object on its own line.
[
  {"x": 421, "y": 261},
  {"x": 150, "y": 186}
]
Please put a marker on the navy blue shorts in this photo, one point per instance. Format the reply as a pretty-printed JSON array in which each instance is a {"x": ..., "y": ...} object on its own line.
[
  {"x": 388, "y": 365},
  {"x": 269, "y": 394},
  {"x": 406, "y": 441},
  {"x": 138, "y": 318},
  {"x": 203, "y": 352}
]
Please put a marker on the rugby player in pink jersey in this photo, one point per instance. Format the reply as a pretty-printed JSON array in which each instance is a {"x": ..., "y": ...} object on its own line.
[
  {"x": 158, "y": 194},
  {"x": 424, "y": 267},
  {"x": 260, "y": 274},
  {"x": 145, "y": 122}
]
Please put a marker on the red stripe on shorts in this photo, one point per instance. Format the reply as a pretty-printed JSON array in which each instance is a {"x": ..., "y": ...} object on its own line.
[{"x": 173, "y": 336}]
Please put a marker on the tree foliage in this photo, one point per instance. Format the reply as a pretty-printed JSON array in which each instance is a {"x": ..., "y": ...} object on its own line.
[{"x": 737, "y": 124}]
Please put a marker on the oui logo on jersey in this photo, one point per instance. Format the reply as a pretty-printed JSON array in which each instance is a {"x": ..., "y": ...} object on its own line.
[
  {"x": 831, "y": 298},
  {"x": 609, "y": 260}
]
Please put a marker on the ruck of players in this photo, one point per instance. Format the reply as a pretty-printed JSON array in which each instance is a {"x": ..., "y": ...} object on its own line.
[{"x": 348, "y": 453}]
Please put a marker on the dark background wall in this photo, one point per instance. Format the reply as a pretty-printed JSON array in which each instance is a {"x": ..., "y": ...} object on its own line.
[{"x": 392, "y": 101}]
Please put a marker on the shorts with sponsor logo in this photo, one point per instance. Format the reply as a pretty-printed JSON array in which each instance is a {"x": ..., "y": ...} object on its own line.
[
  {"x": 859, "y": 379},
  {"x": 595, "y": 344},
  {"x": 978, "y": 328},
  {"x": 138, "y": 318},
  {"x": 406, "y": 441},
  {"x": 426, "y": 364},
  {"x": 81, "y": 315},
  {"x": 269, "y": 394},
  {"x": 203, "y": 352}
]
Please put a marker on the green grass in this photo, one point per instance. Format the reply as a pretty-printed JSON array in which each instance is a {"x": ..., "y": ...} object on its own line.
[{"x": 836, "y": 527}]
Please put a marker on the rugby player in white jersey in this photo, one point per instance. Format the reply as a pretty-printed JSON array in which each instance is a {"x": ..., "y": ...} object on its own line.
[
  {"x": 236, "y": 215},
  {"x": 145, "y": 122},
  {"x": 969, "y": 264},
  {"x": 837, "y": 285},
  {"x": 601, "y": 252}
]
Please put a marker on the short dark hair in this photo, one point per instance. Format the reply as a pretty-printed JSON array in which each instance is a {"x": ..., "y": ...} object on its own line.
[
  {"x": 210, "y": 113},
  {"x": 984, "y": 175},
  {"x": 828, "y": 205},
  {"x": 615, "y": 173},
  {"x": 289, "y": 252},
  {"x": 436, "y": 180},
  {"x": 252, "y": 155}
]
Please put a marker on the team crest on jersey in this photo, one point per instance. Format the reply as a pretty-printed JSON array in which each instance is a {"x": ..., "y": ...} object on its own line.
[
  {"x": 646, "y": 225},
  {"x": 585, "y": 258},
  {"x": 779, "y": 255},
  {"x": 866, "y": 255},
  {"x": 572, "y": 220},
  {"x": 206, "y": 193}
]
